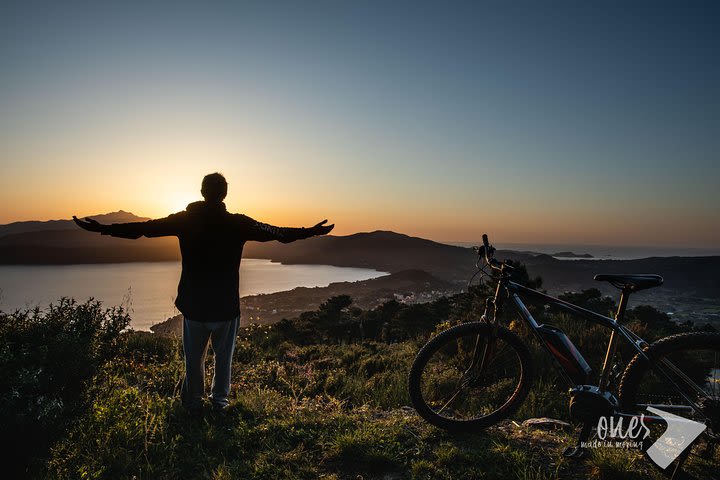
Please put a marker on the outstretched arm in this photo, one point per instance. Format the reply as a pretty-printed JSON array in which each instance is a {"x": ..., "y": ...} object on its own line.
[
  {"x": 89, "y": 224},
  {"x": 263, "y": 232},
  {"x": 152, "y": 228}
]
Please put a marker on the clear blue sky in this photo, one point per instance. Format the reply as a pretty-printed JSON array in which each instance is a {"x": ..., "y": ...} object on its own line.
[{"x": 534, "y": 121}]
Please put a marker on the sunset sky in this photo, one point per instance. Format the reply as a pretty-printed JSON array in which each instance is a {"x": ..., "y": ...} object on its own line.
[{"x": 559, "y": 123}]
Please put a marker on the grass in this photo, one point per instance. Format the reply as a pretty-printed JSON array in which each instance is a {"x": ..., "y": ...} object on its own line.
[
  {"x": 297, "y": 411},
  {"x": 295, "y": 417}
]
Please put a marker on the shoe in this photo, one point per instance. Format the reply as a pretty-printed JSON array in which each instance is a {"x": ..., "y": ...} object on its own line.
[{"x": 195, "y": 410}]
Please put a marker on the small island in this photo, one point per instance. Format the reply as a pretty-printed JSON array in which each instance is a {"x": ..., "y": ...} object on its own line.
[{"x": 571, "y": 255}]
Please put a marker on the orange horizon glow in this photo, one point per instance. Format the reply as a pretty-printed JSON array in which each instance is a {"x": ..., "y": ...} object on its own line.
[
  {"x": 294, "y": 189},
  {"x": 440, "y": 222}
]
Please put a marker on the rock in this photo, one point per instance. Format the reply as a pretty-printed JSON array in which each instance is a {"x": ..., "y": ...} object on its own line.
[
  {"x": 407, "y": 410},
  {"x": 546, "y": 423}
]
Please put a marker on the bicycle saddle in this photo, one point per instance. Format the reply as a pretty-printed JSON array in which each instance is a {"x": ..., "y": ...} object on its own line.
[{"x": 631, "y": 282}]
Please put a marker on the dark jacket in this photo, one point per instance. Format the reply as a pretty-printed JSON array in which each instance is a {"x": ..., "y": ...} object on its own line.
[{"x": 211, "y": 243}]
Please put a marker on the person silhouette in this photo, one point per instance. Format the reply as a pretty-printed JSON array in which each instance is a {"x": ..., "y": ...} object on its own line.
[{"x": 211, "y": 243}]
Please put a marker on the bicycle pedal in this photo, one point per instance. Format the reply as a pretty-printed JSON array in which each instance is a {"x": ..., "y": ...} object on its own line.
[{"x": 577, "y": 452}]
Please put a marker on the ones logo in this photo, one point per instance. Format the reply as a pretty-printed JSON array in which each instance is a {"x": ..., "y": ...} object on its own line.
[
  {"x": 614, "y": 428},
  {"x": 677, "y": 437}
]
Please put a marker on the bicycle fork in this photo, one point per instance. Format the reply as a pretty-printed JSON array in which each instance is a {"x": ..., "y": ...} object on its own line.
[{"x": 482, "y": 357}]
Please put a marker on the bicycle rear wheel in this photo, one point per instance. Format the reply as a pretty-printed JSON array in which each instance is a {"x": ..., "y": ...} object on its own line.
[
  {"x": 451, "y": 390},
  {"x": 692, "y": 361}
]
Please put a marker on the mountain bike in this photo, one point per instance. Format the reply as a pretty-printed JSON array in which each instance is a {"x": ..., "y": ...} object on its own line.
[{"x": 475, "y": 374}]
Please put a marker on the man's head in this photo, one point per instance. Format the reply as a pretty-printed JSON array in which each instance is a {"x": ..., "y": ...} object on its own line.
[{"x": 214, "y": 188}]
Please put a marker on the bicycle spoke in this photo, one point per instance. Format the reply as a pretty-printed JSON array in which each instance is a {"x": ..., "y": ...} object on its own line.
[
  {"x": 684, "y": 377},
  {"x": 450, "y": 401}
]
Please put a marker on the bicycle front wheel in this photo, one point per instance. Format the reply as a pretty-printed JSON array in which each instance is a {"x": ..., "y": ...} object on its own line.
[{"x": 451, "y": 387}]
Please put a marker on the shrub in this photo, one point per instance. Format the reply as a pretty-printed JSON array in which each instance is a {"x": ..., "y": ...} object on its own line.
[{"x": 46, "y": 360}]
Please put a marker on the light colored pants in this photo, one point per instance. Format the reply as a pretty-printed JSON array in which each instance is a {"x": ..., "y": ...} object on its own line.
[{"x": 196, "y": 336}]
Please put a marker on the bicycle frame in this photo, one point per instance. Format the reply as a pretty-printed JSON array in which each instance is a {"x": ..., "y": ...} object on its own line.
[{"x": 617, "y": 331}]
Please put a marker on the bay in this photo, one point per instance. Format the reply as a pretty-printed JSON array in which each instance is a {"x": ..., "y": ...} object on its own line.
[{"x": 148, "y": 289}]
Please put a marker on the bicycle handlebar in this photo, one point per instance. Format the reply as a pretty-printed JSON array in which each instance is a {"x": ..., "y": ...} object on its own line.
[{"x": 488, "y": 251}]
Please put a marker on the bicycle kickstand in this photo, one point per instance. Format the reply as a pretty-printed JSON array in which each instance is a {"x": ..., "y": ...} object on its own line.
[
  {"x": 678, "y": 472},
  {"x": 578, "y": 452}
]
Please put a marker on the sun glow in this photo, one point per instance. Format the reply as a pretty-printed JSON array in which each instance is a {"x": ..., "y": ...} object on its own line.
[{"x": 178, "y": 201}]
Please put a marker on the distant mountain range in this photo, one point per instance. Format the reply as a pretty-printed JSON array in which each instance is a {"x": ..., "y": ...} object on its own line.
[
  {"x": 59, "y": 242},
  {"x": 37, "y": 226},
  {"x": 62, "y": 242}
]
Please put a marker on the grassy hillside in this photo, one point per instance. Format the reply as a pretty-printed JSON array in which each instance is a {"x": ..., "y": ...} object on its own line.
[{"x": 320, "y": 396}]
